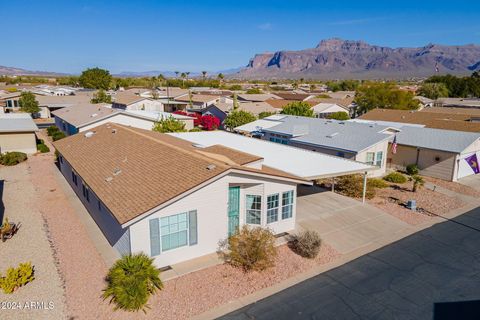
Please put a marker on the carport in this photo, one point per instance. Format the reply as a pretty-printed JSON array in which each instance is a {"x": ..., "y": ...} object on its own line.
[{"x": 303, "y": 163}]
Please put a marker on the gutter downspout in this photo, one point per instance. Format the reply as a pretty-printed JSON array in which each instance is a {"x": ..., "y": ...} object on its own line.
[{"x": 364, "y": 192}]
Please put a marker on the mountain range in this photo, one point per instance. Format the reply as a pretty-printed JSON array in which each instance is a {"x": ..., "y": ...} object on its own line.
[{"x": 340, "y": 59}]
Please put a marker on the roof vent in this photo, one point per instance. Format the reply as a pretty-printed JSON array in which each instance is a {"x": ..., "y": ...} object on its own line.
[
  {"x": 332, "y": 135},
  {"x": 211, "y": 167},
  {"x": 116, "y": 171},
  {"x": 114, "y": 130},
  {"x": 93, "y": 115},
  {"x": 89, "y": 134},
  {"x": 108, "y": 179}
]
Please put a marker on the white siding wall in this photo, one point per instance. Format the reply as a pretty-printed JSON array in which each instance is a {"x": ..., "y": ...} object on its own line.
[
  {"x": 211, "y": 203},
  {"x": 362, "y": 157},
  {"x": 147, "y": 105}
]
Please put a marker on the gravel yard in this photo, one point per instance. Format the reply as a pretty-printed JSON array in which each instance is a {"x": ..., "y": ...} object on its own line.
[
  {"x": 454, "y": 186},
  {"x": 29, "y": 244},
  {"x": 432, "y": 202}
]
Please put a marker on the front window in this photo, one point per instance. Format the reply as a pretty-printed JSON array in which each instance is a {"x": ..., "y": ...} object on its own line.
[
  {"x": 272, "y": 208},
  {"x": 379, "y": 159},
  {"x": 287, "y": 204},
  {"x": 254, "y": 209},
  {"x": 174, "y": 231},
  {"x": 370, "y": 158}
]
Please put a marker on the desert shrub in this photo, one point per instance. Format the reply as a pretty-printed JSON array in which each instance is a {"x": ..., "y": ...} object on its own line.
[
  {"x": 352, "y": 186},
  {"x": 395, "y": 177},
  {"x": 131, "y": 281},
  {"x": 52, "y": 129},
  {"x": 251, "y": 248},
  {"x": 196, "y": 129},
  {"x": 412, "y": 169},
  {"x": 17, "y": 277},
  {"x": 58, "y": 135},
  {"x": 12, "y": 158},
  {"x": 417, "y": 182},
  {"x": 42, "y": 147},
  {"x": 377, "y": 183},
  {"x": 306, "y": 243}
]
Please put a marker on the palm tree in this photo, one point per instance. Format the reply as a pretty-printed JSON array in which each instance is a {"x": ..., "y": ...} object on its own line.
[
  {"x": 176, "y": 73},
  {"x": 131, "y": 282},
  {"x": 204, "y": 75},
  {"x": 220, "y": 77},
  {"x": 183, "y": 75},
  {"x": 417, "y": 182},
  {"x": 187, "y": 73}
]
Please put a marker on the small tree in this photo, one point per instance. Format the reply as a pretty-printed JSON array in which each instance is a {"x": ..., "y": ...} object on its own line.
[
  {"x": 306, "y": 243},
  {"x": 101, "y": 97},
  {"x": 340, "y": 115},
  {"x": 265, "y": 114},
  {"x": 250, "y": 249},
  {"x": 169, "y": 124},
  {"x": 254, "y": 91},
  {"x": 237, "y": 118},
  {"x": 131, "y": 281},
  {"x": 433, "y": 90},
  {"x": 298, "y": 108},
  {"x": 28, "y": 103},
  {"x": 417, "y": 182}
]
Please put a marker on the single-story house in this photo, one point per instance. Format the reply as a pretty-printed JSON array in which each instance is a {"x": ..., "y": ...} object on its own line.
[
  {"x": 198, "y": 101},
  {"x": 155, "y": 193},
  {"x": 17, "y": 133},
  {"x": 438, "y": 153},
  {"x": 256, "y": 97},
  {"x": 131, "y": 101},
  {"x": 359, "y": 142},
  {"x": 323, "y": 110},
  {"x": 76, "y": 119},
  {"x": 294, "y": 96}
]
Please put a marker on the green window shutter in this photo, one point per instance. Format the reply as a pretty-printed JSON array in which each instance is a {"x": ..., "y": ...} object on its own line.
[
  {"x": 192, "y": 223},
  {"x": 154, "y": 237}
]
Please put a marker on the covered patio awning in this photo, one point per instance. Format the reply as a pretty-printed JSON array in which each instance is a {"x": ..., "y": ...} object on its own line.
[{"x": 303, "y": 163}]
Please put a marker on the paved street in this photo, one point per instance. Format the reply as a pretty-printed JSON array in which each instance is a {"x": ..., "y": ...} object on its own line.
[{"x": 405, "y": 280}]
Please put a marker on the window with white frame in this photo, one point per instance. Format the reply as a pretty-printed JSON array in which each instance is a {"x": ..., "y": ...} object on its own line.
[
  {"x": 370, "y": 158},
  {"x": 379, "y": 159},
  {"x": 174, "y": 231},
  {"x": 253, "y": 209},
  {"x": 287, "y": 204},
  {"x": 272, "y": 208}
]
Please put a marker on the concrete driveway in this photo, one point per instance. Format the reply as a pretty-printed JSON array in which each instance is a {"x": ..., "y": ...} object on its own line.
[
  {"x": 472, "y": 181},
  {"x": 344, "y": 223}
]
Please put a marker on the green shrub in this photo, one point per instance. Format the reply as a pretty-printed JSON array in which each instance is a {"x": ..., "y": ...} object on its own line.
[
  {"x": 377, "y": 183},
  {"x": 17, "y": 277},
  {"x": 52, "y": 129},
  {"x": 306, "y": 244},
  {"x": 196, "y": 129},
  {"x": 395, "y": 177},
  {"x": 417, "y": 182},
  {"x": 131, "y": 281},
  {"x": 251, "y": 248},
  {"x": 412, "y": 169},
  {"x": 43, "y": 148},
  {"x": 58, "y": 135},
  {"x": 12, "y": 158},
  {"x": 352, "y": 186}
]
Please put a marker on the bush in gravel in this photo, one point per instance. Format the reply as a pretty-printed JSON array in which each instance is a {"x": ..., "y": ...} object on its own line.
[
  {"x": 58, "y": 135},
  {"x": 306, "y": 243},
  {"x": 251, "y": 248},
  {"x": 12, "y": 158},
  {"x": 131, "y": 281},
  {"x": 412, "y": 169},
  {"x": 352, "y": 186},
  {"x": 51, "y": 130},
  {"x": 17, "y": 277},
  {"x": 395, "y": 177},
  {"x": 377, "y": 183},
  {"x": 42, "y": 147}
]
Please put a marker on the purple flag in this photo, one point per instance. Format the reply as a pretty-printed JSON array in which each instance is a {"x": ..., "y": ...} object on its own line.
[{"x": 473, "y": 163}]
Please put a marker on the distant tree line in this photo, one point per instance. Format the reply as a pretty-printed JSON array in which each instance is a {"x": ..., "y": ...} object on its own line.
[{"x": 456, "y": 87}]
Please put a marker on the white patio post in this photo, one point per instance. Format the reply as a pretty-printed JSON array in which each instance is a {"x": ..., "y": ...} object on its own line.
[{"x": 364, "y": 192}]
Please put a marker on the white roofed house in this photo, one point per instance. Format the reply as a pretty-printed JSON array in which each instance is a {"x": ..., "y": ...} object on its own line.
[
  {"x": 324, "y": 109},
  {"x": 17, "y": 133},
  {"x": 359, "y": 142}
]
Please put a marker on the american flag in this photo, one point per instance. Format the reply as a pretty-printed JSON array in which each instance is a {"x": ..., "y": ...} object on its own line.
[{"x": 394, "y": 145}]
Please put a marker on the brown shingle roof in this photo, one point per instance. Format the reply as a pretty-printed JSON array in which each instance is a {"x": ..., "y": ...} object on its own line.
[
  {"x": 280, "y": 104},
  {"x": 82, "y": 114},
  {"x": 435, "y": 119},
  {"x": 133, "y": 170},
  {"x": 292, "y": 96},
  {"x": 126, "y": 98}
]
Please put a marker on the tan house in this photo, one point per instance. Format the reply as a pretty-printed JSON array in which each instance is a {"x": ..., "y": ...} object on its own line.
[{"x": 17, "y": 133}]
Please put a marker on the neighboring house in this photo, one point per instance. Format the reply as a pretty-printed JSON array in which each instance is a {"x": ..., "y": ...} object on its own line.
[
  {"x": 17, "y": 133},
  {"x": 323, "y": 110},
  {"x": 154, "y": 193},
  {"x": 217, "y": 110},
  {"x": 198, "y": 101},
  {"x": 294, "y": 96},
  {"x": 256, "y": 107},
  {"x": 261, "y": 97},
  {"x": 130, "y": 101},
  {"x": 76, "y": 119},
  {"x": 437, "y": 153},
  {"x": 424, "y": 102},
  {"x": 359, "y": 142},
  {"x": 458, "y": 103},
  {"x": 458, "y": 119}
]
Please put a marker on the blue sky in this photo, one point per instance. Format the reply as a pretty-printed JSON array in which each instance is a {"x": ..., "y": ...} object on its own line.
[{"x": 68, "y": 36}]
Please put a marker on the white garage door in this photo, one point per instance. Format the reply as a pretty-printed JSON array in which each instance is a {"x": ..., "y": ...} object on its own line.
[{"x": 464, "y": 169}]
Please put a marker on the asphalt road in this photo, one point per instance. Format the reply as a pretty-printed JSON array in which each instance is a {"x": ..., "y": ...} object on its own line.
[{"x": 433, "y": 274}]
